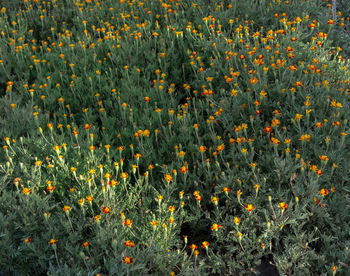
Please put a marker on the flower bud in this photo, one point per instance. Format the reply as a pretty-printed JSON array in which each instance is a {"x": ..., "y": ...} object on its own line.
[{"x": 82, "y": 255}]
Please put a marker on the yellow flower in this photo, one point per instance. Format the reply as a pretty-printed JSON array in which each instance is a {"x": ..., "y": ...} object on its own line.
[
  {"x": 215, "y": 200},
  {"x": 298, "y": 117},
  {"x": 81, "y": 201},
  {"x": 89, "y": 198},
  {"x": 215, "y": 227},
  {"x": 26, "y": 191},
  {"x": 53, "y": 241}
]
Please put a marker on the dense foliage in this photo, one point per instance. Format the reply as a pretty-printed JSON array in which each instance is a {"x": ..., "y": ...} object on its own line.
[{"x": 174, "y": 137}]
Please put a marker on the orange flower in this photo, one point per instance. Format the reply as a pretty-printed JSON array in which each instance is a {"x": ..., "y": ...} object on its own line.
[
  {"x": 137, "y": 155},
  {"x": 283, "y": 205},
  {"x": 249, "y": 207},
  {"x": 268, "y": 129},
  {"x": 205, "y": 244},
  {"x": 129, "y": 244},
  {"x": 168, "y": 177},
  {"x": 89, "y": 198},
  {"x": 237, "y": 220},
  {"x": 128, "y": 222},
  {"x": 275, "y": 141},
  {"x": 305, "y": 137},
  {"x": 221, "y": 147},
  {"x": 184, "y": 169},
  {"x": 124, "y": 175},
  {"x": 66, "y": 208},
  {"x": 53, "y": 241},
  {"x": 253, "y": 80},
  {"x": 225, "y": 189},
  {"x": 26, "y": 191},
  {"x": 193, "y": 246},
  {"x": 319, "y": 172},
  {"x": 106, "y": 210},
  {"x": 198, "y": 197},
  {"x": 127, "y": 260},
  {"x": 312, "y": 25},
  {"x": 324, "y": 157},
  {"x": 27, "y": 240},
  {"x": 215, "y": 227},
  {"x": 97, "y": 218},
  {"x": 86, "y": 244},
  {"x": 293, "y": 68},
  {"x": 323, "y": 192},
  {"x": 154, "y": 223}
]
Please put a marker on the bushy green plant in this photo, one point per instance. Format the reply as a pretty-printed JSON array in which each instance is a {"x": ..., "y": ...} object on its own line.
[{"x": 174, "y": 137}]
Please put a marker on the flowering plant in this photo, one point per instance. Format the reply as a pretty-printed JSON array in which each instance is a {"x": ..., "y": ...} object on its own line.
[{"x": 174, "y": 137}]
